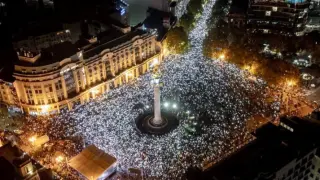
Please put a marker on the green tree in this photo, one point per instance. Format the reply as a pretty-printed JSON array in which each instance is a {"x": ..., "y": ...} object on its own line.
[
  {"x": 195, "y": 7},
  {"x": 186, "y": 21},
  {"x": 176, "y": 41}
]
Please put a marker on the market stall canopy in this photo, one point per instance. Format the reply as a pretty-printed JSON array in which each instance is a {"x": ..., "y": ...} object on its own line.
[{"x": 92, "y": 162}]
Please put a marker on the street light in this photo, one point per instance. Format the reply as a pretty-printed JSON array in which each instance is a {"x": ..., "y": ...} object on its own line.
[
  {"x": 32, "y": 139},
  {"x": 174, "y": 106},
  {"x": 222, "y": 56},
  {"x": 291, "y": 83},
  {"x": 166, "y": 104},
  {"x": 59, "y": 159}
]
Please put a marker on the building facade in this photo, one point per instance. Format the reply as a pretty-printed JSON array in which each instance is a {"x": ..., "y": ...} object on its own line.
[
  {"x": 286, "y": 17},
  {"x": 48, "y": 85}
]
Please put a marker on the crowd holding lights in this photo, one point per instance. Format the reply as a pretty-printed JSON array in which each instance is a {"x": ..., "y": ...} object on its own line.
[
  {"x": 193, "y": 85},
  {"x": 181, "y": 8}
]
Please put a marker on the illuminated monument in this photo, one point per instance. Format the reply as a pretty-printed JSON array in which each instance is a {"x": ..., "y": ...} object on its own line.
[{"x": 156, "y": 122}]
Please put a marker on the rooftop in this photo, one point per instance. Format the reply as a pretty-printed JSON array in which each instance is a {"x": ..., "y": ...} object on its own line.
[
  {"x": 155, "y": 21},
  {"x": 92, "y": 162},
  {"x": 52, "y": 54},
  {"x": 110, "y": 41},
  {"x": 257, "y": 159},
  {"x": 6, "y": 74},
  {"x": 7, "y": 171},
  {"x": 36, "y": 28}
]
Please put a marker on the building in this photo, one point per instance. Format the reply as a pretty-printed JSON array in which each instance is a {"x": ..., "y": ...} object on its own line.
[
  {"x": 315, "y": 170},
  {"x": 23, "y": 167},
  {"x": 94, "y": 163},
  {"x": 286, "y": 17},
  {"x": 313, "y": 22},
  {"x": 64, "y": 75},
  {"x": 16, "y": 164},
  {"x": 236, "y": 17},
  {"x": 38, "y": 36},
  {"x": 283, "y": 152}
]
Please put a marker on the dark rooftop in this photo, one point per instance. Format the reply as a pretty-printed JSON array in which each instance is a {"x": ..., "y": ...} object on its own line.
[
  {"x": 6, "y": 74},
  {"x": 38, "y": 28},
  {"x": 18, "y": 162},
  {"x": 6, "y": 169},
  {"x": 312, "y": 70},
  {"x": 53, "y": 54},
  {"x": 155, "y": 21},
  {"x": 273, "y": 148},
  {"x": 110, "y": 20},
  {"x": 110, "y": 42},
  {"x": 239, "y": 6},
  {"x": 256, "y": 157}
]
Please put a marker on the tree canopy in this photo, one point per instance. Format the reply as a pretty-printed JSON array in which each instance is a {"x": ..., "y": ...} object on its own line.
[
  {"x": 195, "y": 6},
  {"x": 186, "y": 21},
  {"x": 176, "y": 41}
]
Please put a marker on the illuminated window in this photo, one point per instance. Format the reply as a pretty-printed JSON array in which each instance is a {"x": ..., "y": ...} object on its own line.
[
  {"x": 268, "y": 13},
  {"x": 275, "y": 9}
]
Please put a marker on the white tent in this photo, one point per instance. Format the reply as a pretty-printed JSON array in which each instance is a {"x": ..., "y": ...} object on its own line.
[{"x": 93, "y": 163}]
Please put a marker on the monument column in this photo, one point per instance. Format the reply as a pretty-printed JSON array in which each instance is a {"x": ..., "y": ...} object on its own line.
[{"x": 157, "y": 111}]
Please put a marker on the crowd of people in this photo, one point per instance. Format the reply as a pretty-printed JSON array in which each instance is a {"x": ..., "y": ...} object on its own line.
[{"x": 218, "y": 91}]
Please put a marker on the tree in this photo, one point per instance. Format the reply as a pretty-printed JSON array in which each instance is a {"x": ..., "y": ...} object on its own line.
[
  {"x": 176, "y": 41},
  {"x": 186, "y": 21},
  {"x": 195, "y": 7}
]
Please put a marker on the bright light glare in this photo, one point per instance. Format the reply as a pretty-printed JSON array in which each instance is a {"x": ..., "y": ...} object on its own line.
[
  {"x": 222, "y": 56},
  {"x": 291, "y": 83},
  {"x": 32, "y": 139},
  {"x": 45, "y": 108},
  {"x": 59, "y": 159},
  {"x": 174, "y": 106}
]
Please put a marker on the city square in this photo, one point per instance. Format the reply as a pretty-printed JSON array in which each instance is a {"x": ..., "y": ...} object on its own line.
[
  {"x": 218, "y": 94},
  {"x": 181, "y": 89}
]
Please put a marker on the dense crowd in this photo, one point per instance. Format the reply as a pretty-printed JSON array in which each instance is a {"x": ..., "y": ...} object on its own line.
[{"x": 217, "y": 91}]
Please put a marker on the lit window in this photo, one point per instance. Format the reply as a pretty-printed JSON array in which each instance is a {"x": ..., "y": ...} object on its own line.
[
  {"x": 274, "y": 8},
  {"x": 268, "y": 13}
]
